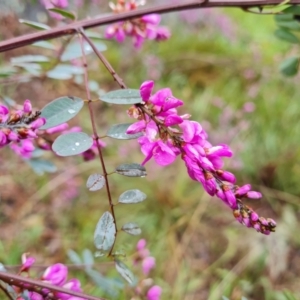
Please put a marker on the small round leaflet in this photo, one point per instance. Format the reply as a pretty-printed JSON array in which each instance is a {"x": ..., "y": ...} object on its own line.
[{"x": 95, "y": 182}]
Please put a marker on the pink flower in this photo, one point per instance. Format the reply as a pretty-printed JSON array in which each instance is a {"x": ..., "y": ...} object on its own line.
[
  {"x": 35, "y": 296},
  {"x": 73, "y": 285},
  {"x": 148, "y": 264},
  {"x": 27, "y": 262},
  {"x": 154, "y": 293},
  {"x": 162, "y": 154},
  {"x": 140, "y": 29},
  {"x": 56, "y": 274},
  {"x": 141, "y": 244}
]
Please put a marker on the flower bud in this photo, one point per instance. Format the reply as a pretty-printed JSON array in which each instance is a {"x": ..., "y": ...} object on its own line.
[
  {"x": 56, "y": 274},
  {"x": 27, "y": 107},
  {"x": 154, "y": 293}
]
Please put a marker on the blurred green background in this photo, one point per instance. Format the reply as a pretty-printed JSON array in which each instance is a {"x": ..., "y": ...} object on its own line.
[{"x": 224, "y": 65}]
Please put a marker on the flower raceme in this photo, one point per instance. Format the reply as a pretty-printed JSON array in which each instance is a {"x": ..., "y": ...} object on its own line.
[
  {"x": 157, "y": 115},
  {"x": 20, "y": 129},
  {"x": 145, "y": 27},
  {"x": 57, "y": 275}
]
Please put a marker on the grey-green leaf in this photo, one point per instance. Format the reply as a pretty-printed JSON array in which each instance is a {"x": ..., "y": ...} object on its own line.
[
  {"x": 286, "y": 35},
  {"x": 63, "y": 13},
  {"x": 74, "y": 257},
  {"x": 125, "y": 96},
  {"x": 132, "y": 228},
  {"x": 118, "y": 131},
  {"x": 44, "y": 44},
  {"x": 35, "y": 25},
  {"x": 29, "y": 58},
  {"x": 73, "y": 50},
  {"x": 105, "y": 232},
  {"x": 131, "y": 170},
  {"x": 95, "y": 182},
  {"x": 132, "y": 196},
  {"x": 72, "y": 143},
  {"x": 61, "y": 110},
  {"x": 88, "y": 258},
  {"x": 290, "y": 66},
  {"x": 41, "y": 166},
  {"x": 64, "y": 72},
  {"x": 125, "y": 272}
]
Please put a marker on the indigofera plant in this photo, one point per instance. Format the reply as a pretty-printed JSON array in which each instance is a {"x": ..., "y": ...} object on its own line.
[{"x": 162, "y": 133}]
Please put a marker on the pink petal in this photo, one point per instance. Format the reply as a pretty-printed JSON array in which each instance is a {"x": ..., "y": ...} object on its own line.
[
  {"x": 163, "y": 155},
  {"x": 152, "y": 19},
  {"x": 173, "y": 120},
  {"x": 136, "y": 127},
  {"x": 160, "y": 96},
  {"x": 146, "y": 89}
]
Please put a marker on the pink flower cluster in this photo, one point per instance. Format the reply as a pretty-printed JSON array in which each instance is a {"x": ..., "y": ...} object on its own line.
[
  {"x": 57, "y": 275},
  {"x": 140, "y": 29},
  {"x": 20, "y": 130},
  {"x": 20, "y": 126},
  {"x": 157, "y": 117},
  {"x": 146, "y": 287}
]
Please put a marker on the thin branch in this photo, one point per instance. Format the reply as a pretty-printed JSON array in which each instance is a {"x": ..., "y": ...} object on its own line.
[
  {"x": 96, "y": 137},
  {"x": 105, "y": 62},
  {"x": 29, "y": 284},
  {"x": 73, "y": 28}
]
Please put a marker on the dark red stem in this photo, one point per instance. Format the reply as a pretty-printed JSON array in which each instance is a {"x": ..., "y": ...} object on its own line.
[
  {"x": 23, "y": 282},
  {"x": 73, "y": 28}
]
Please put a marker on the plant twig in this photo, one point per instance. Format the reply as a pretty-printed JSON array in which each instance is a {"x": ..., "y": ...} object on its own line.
[
  {"x": 96, "y": 138},
  {"x": 31, "y": 284},
  {"x": 105, "y": 62},
  {"x": 73, "y": 28}
]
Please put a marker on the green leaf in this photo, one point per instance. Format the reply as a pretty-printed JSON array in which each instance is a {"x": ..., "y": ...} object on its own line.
[
  {"x": 131, "y": 170},
  {"x": 72, "y": 143},
  {"x": 41, "y": 166},
  {"x": 73, "y": 50},
  {"x": 132, "y": 228},
  {"x": 289, "y": 67},
  {"x": 32, "y": 68},
  {"x": 125, "y": 96},
  {"x": 284, "y": 17},
  {"x": 64, "y": 71},
  {"x": 125, "y": 272},
  {"x": 64, "y": 13},
  {"x": 105, "y": 233},
  {"x": 45, "y": 45},
  {"x": 61, "y": 110},
  {"x": 292, "y": 24},
  {"x": 35, "y": 25},
  {"x": 94, "y": 35},
  {"x": 118, "y": 131},
  {"x": 29, "y": 58},
  {"x": 109, "y": 286},
  {"x": 88, "y": 258},
  {"x": 294, "y": 10},
  {"x": 287, "y": 36},
  {"x": 7, "y": 71},
  {"x": 132, "y": 196},
  {"x": 95, "y": 182},
  {"x": 74, "y": 257}
]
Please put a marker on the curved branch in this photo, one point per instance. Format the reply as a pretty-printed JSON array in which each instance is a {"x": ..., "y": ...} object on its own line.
[
  {"x": 73, "y": 28},
  {"x": 22, "y": 282}
]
